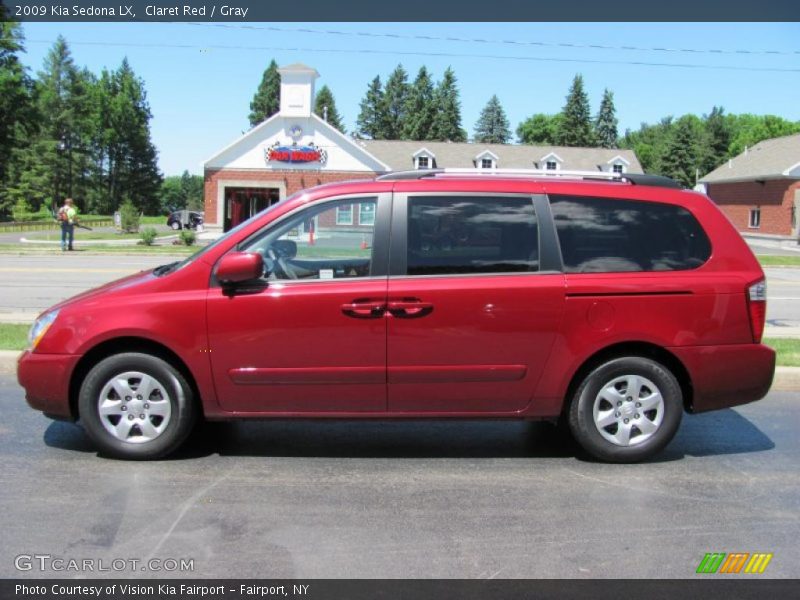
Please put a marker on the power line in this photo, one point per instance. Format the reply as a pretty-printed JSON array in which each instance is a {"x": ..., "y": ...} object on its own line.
[
  {"x": 427, "y": 54},
  {"x": 406, "y": 36}
]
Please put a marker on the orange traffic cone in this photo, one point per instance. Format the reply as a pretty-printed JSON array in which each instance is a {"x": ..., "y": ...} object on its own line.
[{"x": 311, "y": 238}]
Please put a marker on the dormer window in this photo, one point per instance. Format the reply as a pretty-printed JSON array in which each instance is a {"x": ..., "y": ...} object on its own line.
[
  {"x": 424, "y": 159},
  {"x": 618, "y": 165},
  {"x": 486, "y": 160},
  {"x": 551, "y": 162}
]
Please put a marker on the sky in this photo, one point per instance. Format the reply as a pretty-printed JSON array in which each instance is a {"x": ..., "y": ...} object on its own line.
[{"x": 201, "y": 77}]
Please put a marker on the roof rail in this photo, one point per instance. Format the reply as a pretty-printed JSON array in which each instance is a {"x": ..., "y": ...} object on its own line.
[{"x": 634, "y": 178}]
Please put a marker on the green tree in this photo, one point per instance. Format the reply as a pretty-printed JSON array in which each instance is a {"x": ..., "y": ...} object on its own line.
[
  {"x": 576, "y": 124},
  {"x": 18, "y": 120},
  {"x": 326, "y": 102},
  {"x": 447, "y": 122},
  {"x": 419, "y": 109},
  {"x": 129, "y": 165},
  {"x": 181, "y": 191},
  {"x": 493, "y": 126},
  {"x": 747, "y": 130},
  {"x": 267, "y": 99},
  {"x": 371, "y": 118},
  {"x": 649, "y": 143},
  {"x": 605, "y": 126},
  {"x": 54, "y": 164},
  {"x": 681, "y": 152},
  {"x": 716, "y": 141},
  {"x": 539, "y": 129},
  {"x": 395, "y": 97}
]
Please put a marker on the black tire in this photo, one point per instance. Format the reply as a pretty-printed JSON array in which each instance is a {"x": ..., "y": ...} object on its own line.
[
  {"x": 175, "y": 226},
  {"x": 582, "y": 407},
  {"x": 180, "y": 401}
]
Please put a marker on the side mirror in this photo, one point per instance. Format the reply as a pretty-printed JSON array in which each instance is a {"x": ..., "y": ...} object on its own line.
[{"x": 237, "y": 267}]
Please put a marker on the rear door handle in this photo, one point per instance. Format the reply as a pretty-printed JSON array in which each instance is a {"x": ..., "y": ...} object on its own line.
[
  {"x": 364, "y": 309},
  {"x": 409, "y": 308}
]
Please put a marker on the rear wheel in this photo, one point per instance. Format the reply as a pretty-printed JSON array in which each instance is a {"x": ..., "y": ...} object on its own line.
[
  {"x": 136, "y": 406},
  {"x": 626, "y": 410},
  {"x": 175, "y": 225}
]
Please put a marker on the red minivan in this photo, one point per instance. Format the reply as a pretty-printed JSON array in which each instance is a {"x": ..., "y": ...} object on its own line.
[{"x": 611, "y": 302}]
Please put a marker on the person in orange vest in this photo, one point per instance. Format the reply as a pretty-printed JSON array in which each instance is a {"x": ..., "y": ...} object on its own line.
[{"x": 68, "y": 217}]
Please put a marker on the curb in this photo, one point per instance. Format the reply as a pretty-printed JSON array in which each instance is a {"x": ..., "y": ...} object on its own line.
[{"x": 787, "y": 379}]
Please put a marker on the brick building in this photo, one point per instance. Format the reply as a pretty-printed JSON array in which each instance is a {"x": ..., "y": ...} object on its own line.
[
  {"x": 759, "y": 190},
  {"x": 295, "y": 149}
]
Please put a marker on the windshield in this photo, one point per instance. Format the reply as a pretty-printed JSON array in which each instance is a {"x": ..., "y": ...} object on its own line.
[{"x": 172, "y": 267}]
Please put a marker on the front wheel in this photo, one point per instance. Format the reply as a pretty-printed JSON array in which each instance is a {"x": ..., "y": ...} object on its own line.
[
  {"x": 136, "y": 406},
  {"x": 175, "y": 226},
  {"x": 626, "y": 410}
]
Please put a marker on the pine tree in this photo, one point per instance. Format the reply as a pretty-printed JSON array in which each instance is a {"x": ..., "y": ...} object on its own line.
[
  {"x": 447, "y": 122},
  {"x": 267, "y": 99},
  {"x": 716, "y": 141},
  {"x": 419, "y": 109},
  {"x": 680, "y": 153},
  {"x": 395, "y": 97},
  {"x": 325, "y": 102},
  {"x": 576, "y": 124},
  {"x": 605, "y": 127},
  {"x": 371, "y": 117},
  {"x": 493, "y": 126},
  {"x": 18, "y": 122}
]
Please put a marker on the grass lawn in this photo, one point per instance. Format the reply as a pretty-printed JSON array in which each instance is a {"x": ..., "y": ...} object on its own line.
[
  {"x": 100, "y": 249},
  {"x": 82, "y": 234},
  {"x": 788, "y": 350},
  {"x": 779, "y": 261},
  {"x": 13, "y": 336}
]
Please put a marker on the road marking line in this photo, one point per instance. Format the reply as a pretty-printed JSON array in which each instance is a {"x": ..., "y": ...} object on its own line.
[{"x": 62, "y": 270}]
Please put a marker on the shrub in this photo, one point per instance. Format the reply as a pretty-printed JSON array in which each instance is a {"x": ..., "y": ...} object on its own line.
[
  {"x": 148, "y": 236},
  {"x": 21, "y": 210},
  {"x": 129, "y": 217},
  {"x": 187, "y": 237}
]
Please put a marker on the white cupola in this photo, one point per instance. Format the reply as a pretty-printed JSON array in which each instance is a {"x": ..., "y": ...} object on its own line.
[{"x": 297, "y": 90}]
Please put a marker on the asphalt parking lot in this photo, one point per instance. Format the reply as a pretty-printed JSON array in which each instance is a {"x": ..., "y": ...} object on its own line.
[{"x": 485, "y": 499}]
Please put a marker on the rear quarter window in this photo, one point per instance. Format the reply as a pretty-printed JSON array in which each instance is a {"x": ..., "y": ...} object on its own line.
[{"x": 608, "y": 235}]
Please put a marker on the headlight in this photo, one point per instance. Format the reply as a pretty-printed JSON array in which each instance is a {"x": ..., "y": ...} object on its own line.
[{"x": 40, "y": 327}]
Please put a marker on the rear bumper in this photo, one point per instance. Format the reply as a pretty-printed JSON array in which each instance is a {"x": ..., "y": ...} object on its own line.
[
  {"x": 724, "y": 376},
  {"x": 45, "y": 378}
]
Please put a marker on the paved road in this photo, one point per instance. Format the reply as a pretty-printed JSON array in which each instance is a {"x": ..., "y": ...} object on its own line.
[
  {"x": 406, "y": 499},
  {"x": 32, "y": 283}
]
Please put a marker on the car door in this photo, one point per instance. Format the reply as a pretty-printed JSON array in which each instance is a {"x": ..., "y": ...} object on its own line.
[
  {"x": 475, "y": 301},
  {"x": 310, "y": 336}
]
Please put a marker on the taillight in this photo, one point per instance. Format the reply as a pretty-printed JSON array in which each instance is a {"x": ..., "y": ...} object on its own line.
[{"x": 757, "y": 306}]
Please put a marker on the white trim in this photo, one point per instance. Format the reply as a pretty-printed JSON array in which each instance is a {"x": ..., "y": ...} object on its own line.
[
  {"x": 619, "y": 158},
  {"x": 241, "y": 138},
  {"x": 551, "y": 155},
  {"x": 374, "y": 212},
  {"x": 350, "y": 141},
  {"x": 487, "y": 153},
  {"x": 222, "y": 184},
  {"x": 338, "y": 209},
  {"x": 423, "y": 151},
  {"x": 788, "y": 172}
]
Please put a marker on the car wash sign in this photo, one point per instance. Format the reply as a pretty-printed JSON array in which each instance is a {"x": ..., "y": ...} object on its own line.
[{"x": 295, "y": 154}]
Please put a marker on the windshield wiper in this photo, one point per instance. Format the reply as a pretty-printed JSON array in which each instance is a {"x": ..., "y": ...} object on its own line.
[{"x": 164, "y": 269}]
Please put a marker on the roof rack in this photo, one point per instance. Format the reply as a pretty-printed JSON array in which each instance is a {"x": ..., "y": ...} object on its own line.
[{"x": 634, "y": 178}]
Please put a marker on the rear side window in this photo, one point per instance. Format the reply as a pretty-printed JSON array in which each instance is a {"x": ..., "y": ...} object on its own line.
[
  {"x": 601, "y": 235},
  {"x": 466, "y": 234}
]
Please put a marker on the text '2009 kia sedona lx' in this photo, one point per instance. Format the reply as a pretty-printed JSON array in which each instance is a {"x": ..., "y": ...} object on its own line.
[{"x": 613, "y": 303}]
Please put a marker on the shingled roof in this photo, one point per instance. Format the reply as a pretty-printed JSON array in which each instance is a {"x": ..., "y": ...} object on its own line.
[
  {"x": 399, "y": 155},
  {"x": 771, "y": 159}
]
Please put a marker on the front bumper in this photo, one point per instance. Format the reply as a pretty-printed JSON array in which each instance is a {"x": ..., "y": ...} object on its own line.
[
  {"x": 45, "y": 378},
  {"x": 724, "y": 376}
]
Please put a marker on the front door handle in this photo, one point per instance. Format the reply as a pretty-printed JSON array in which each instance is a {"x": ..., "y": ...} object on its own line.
[
  {"x": 409, "y": 308},
  {"x": 364, "y": 309}
]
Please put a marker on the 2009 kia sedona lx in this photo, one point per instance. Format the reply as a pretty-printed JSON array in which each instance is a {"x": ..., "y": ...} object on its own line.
[{"x": 615, "y": 303}]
